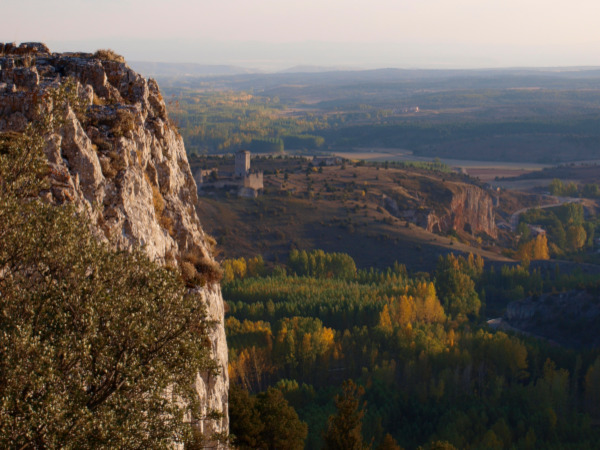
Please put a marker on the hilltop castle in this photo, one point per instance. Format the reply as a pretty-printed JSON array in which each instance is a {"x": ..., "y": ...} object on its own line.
[{"x": 244, "y": 181}]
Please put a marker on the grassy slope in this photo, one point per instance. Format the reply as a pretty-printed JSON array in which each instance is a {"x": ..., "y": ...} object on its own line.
[{"x": 339, "y": 219}]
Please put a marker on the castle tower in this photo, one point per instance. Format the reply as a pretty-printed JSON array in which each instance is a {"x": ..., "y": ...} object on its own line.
[{"x": 242, "y": 163}]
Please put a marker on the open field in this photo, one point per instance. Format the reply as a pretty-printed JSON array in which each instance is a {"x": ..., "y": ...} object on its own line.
[
  {"x": 580, "y": 174},
  {"x": 392, "y": 154},
  {"x": 486, "y": 171}
]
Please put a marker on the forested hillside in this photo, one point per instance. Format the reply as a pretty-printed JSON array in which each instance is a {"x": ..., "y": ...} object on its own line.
[{"x": 431, "y": 369}]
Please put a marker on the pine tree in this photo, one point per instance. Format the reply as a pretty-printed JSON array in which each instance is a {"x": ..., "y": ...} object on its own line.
[
  {"x": 344, "y": 430},
  {"x": 283, "y": 430}
]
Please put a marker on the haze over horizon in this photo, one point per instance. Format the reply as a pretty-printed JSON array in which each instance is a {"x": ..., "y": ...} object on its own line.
[{"x": 275, "y": 35}]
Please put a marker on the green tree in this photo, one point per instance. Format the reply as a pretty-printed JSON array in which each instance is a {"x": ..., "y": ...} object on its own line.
[
  {"x": 264, "y": 421},
  {"x": 556, "y": 187},
  {"x": 244, "y": 421},
  {"x": 455, "y": 288},
  {"x": 283, "y": 430},
  {"x": 524, "y": 231},
  {"x": 344, "y": 430},
  {"x": 576, "y": 237},
  {"x": 592, "y": 388},
  {"x": 95, "y": 344},
  {"x": 571, "y": 214}
]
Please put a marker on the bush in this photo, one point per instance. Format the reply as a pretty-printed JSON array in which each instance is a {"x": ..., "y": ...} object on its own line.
[
  {"x": 199, "y": 269},
  {"x": 108, "y": 55}
]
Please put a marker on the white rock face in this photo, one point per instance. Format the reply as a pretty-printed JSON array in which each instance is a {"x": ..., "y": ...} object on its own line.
[{"x": 125, "y": 164}]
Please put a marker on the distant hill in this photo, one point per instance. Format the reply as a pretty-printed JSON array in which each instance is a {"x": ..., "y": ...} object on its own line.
[
  {"x": 317, "y": 69},
  {"x": 187, "y": 69}
]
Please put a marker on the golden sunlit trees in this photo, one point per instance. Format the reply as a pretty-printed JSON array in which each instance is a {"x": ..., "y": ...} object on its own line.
[
  {"x": 419, "y": 304},
  {"x": 534, "y": 249}
]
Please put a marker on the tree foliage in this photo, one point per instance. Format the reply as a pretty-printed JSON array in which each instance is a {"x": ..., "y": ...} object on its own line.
[
  {"x": 344, "y": 429},
  {"x": 265, "y": 421},
  {"x": 455, "y": 286},
  {"x": 98, "y": 348},
  {"x": 317, "y": 263},
  {"x": 534, "y": 249}
]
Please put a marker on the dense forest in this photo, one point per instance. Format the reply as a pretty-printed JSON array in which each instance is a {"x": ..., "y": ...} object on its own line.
[
  {"x": 433, "y": 373},
  {"x": 227, "y": 121}
]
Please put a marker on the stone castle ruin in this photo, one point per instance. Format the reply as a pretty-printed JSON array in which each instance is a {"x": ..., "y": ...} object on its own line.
[
  {"x": 242, "y": 163},
  {"x": 243, "y": 181}
]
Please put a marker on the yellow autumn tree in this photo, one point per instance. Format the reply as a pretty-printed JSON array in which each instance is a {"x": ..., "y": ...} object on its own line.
[
  {"x": 385, "y": 320},
  {"x": 234, "y": 268},
  {"x": 534, "y": 249},
  {"x": 407, "y": 311},
  {"x": 540, "y": 247},
  {"x": 428, "y": 307}
]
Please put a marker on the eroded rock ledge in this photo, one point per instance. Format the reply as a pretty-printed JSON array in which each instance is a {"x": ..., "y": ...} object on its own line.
[{"x": 122, "y": 161}]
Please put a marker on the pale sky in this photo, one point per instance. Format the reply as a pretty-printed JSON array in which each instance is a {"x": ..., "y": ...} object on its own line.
[{"x": 280, "y": 33}]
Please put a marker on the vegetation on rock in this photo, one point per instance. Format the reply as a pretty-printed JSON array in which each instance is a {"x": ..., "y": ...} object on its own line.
[
  {"x": 98, "y": 347},
  {"x": 109, "y": 55}
]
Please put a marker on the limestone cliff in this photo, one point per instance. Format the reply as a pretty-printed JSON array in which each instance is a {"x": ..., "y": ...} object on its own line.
[
  {"x": 119, "y": 158},
  {"x": 441, "y": 206},
  {"x": 471, "y": 209}
]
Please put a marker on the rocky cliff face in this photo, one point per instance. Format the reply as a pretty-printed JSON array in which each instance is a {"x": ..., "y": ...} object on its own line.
[
  {"x": 120, "y": 159},
  {"x": 568, "y": 318},
  {"x": 471, "y": 209},
  {"x": 448, "y": 206}
]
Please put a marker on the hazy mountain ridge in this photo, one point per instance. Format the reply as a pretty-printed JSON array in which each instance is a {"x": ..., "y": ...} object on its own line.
[{"x": 156, "y": 69}]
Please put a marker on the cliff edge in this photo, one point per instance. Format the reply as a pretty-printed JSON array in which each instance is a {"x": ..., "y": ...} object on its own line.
[{"x": 119, "y": 158}]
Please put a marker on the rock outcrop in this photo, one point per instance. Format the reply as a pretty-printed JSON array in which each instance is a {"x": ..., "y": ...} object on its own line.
[
  {"x": 568, "y": 318},
  {"x": 471, "y": 210},
  {"x": 120, "y": 159},
  {"x": 450, "y": 206}
]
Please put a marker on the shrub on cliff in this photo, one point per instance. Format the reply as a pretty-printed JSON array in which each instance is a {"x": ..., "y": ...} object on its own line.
[
  {"x": 91, "y": 340},
  {"x": 109, "y": 55}
]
